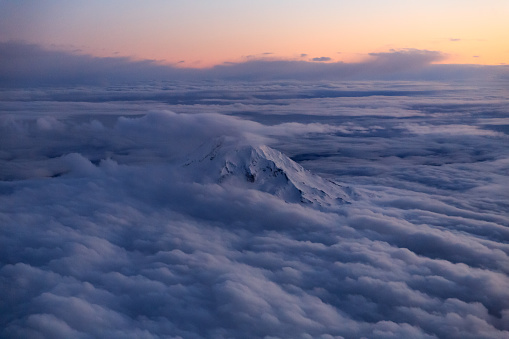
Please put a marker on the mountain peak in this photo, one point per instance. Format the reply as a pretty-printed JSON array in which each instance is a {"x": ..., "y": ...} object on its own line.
[{"x": 265, "y": 169}]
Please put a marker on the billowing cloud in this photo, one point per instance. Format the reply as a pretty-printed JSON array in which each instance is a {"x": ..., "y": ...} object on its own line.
[{"x": 123, "y": 219}]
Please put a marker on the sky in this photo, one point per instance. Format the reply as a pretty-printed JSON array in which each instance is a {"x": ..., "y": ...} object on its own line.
[{"x": 202, "y": 33}]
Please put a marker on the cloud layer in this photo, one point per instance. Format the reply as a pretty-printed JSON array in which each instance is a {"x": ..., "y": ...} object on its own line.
[
  {"x": 106, "y": 233},
  {"x": 24, "y": 65}
]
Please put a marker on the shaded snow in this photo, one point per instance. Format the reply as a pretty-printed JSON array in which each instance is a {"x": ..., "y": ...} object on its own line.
[{"x": 262, "y": 168}]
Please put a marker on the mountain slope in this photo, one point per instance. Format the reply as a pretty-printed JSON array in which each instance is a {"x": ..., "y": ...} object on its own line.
[{"x": 264, "y": 169}]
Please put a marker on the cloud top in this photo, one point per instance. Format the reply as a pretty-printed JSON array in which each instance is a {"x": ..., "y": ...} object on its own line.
[
  {"x": 220, "y": 218},
  {"x": 128, "y": 239}
]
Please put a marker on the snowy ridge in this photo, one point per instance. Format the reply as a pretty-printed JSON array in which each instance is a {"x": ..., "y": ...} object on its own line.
[{"x": 264, "y": 169}]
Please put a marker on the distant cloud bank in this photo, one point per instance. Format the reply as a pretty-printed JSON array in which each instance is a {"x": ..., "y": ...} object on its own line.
[{"x": 30, "y": 65}]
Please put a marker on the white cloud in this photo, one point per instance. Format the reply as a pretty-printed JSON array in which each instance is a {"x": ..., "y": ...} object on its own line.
[{"x": 105, "y": 232}]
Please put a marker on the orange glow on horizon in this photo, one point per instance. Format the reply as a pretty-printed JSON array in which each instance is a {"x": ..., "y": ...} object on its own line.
[{"x": 201, "y": 34}]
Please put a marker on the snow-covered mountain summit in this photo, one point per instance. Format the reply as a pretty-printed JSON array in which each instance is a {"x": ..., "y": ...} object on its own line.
[{"x": 264, "y": 169}]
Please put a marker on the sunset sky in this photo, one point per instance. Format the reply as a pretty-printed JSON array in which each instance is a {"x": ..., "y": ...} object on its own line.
[{"x": 199, "y": 33}]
